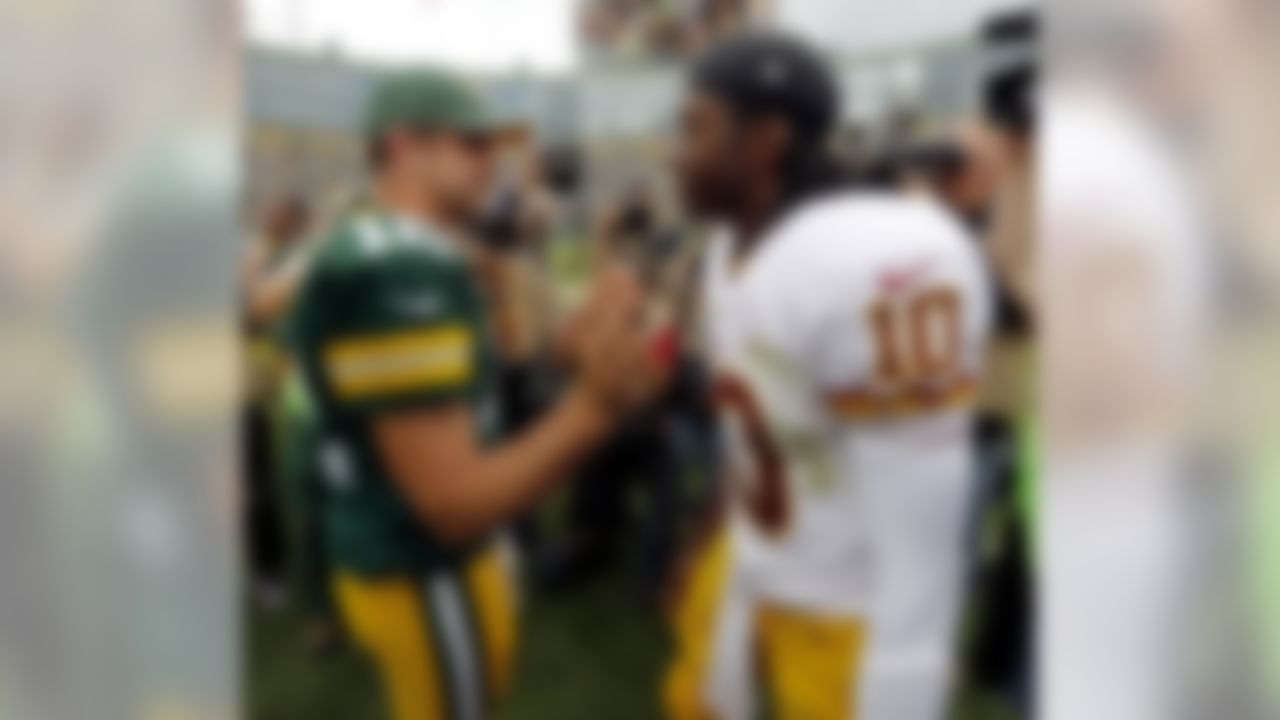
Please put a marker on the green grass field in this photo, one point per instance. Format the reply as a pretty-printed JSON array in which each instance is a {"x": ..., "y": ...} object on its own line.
[{"x": 593, "y": 655}]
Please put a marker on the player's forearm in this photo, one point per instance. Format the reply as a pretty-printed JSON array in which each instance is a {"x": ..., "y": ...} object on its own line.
[{"x": 501, "y": 483}]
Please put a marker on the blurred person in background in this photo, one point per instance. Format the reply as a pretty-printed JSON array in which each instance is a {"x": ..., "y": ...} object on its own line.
[
  {"x": 392, "y": 338},
  {"x": 960, "y": 171},
  {"x": 140, "y": 480},
  {"x": 273, "y": 266},
  {"x": 846, "y": 332},
  {"x": 1010, "y": 100},
  {"x": 1144, "y": 489},
  {"x": 717, "y": 20},
  {"x": 1135, "y": 496},
  {"x": 270, "y": 275},
  {"x": 968, "y": 172},
  {"x": 1224, "y": 108},
  {"x": 666, "y": 29},
  {"x": 285, "y": 504},
  {"x": 150, "y": 463},
  {"x": 996, "y": 189},
  {"x": 511, "y": 234},
  {"x": 853, "y": 147}
]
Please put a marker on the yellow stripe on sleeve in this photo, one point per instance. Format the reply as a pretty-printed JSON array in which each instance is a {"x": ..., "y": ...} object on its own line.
[{"x": 417, "y": 360}]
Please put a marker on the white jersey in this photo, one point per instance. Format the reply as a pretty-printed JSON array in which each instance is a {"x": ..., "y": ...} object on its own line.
[{"x": 847, "y": 350}]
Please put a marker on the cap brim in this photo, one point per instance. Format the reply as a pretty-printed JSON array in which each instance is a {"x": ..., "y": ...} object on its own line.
[{"x": 490, "y": 126}]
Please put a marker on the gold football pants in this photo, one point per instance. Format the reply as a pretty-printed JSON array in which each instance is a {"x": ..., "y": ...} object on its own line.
[
  {"x": 443, "y": 644},
  {"x": 808, "y": 664}
]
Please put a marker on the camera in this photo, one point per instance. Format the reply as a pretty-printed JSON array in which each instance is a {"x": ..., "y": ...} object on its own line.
[{"x": 1010, "y": 47}]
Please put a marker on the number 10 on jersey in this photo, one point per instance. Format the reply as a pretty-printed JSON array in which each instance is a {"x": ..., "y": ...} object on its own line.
[{"x": 917, "y": 338}]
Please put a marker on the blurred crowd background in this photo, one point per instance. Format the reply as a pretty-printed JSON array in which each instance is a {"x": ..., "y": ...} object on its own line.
[
  {"x": 585, "y": 181},
  {"x": 661, "y": 30}
]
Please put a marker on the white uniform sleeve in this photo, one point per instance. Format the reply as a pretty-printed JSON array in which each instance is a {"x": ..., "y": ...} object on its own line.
[{"x": 839, "y": 348}]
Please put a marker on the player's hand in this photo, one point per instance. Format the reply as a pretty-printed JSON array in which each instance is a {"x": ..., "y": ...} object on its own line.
[{"x": 614, "y": 346}]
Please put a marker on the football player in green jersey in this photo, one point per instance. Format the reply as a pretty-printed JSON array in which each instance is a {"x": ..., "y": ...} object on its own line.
[{"x": 390, "y": 332}]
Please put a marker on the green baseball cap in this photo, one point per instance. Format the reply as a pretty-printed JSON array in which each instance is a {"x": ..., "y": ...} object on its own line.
[{"x": 427, "y": 99}]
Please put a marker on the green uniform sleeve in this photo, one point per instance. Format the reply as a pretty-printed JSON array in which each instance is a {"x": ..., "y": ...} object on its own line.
[{"x": 393, "y": 328}]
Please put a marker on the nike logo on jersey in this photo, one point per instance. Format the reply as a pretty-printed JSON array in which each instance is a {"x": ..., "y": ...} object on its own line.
[{"x": 898, "y": 280}]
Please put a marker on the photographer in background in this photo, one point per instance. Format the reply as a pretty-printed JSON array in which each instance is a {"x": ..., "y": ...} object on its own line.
[
  {"x": 1003, "y": 648},
  {"x": 512, "y": 235},
  {"x": 1010, "y": 97},
  {"x": 961, "y": 171}
]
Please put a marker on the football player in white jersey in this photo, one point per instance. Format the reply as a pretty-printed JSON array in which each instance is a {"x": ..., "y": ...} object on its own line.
[{"x": 845, "y": 330}]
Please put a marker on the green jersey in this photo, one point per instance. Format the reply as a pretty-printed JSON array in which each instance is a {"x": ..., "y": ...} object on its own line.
[{"x": 388, "y": 320}]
